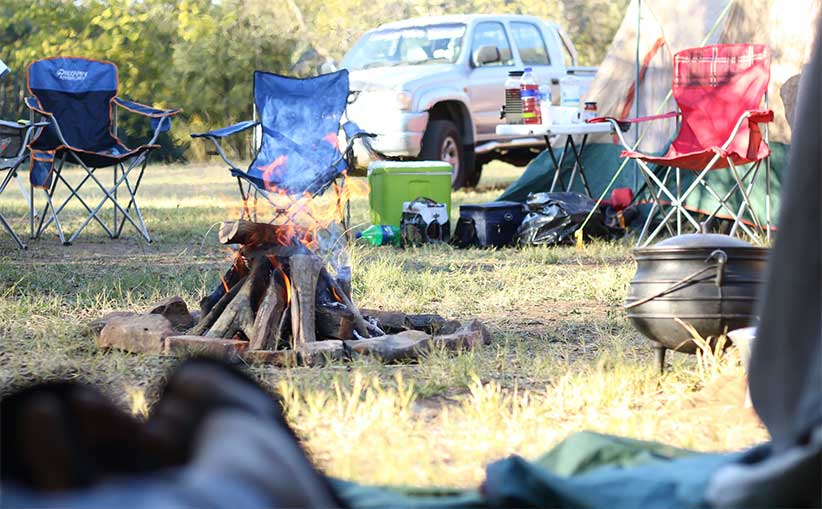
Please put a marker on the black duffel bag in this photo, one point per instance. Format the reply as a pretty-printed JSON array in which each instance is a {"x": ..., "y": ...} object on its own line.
[
  {"x": 554, "y": 217},
  {"x": 488, "y": 224}
]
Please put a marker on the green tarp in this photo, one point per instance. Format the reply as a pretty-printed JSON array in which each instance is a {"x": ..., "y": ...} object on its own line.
[
  {"x": 601, "y": 161},
  {"x": 587, "y": 470}
]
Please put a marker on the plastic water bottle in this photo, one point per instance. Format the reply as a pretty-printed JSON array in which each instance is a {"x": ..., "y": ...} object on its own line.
[
  {"x": 380, "y": 235},
  {"x": 529, "y": 93},
  {"x": 545, "y": 103},
  {"x": 569, "y": 91}
]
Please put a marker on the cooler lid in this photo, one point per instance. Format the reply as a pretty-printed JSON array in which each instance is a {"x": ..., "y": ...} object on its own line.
[
  {"x": 494, "y": 205},
  {"x": 398, "y": 167}
]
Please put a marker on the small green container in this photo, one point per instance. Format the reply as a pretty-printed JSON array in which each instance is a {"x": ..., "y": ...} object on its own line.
[{"x": 395, "y": 182}]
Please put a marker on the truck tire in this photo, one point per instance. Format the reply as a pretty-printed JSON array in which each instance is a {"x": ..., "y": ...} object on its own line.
[
  {"x": 474, "y": 178},
  {"x": 442, "y": 142}
]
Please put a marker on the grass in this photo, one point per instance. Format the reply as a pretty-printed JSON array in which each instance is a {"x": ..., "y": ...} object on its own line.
[{"x": 564, "y": 357}]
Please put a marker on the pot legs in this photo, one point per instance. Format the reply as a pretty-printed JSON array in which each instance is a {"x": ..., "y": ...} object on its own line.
[{"x": 660, "y": 357}]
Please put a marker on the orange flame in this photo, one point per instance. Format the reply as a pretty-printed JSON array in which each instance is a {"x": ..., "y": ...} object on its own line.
[
  {"x": 332, "y": 139},
  {"x": 269, "y": 170},
  {"x": 287, "y": 287},
  {"x": 278, "y": 266},
  {"x": 225, "y": 284},
  {"x": 305, "y": 215}
]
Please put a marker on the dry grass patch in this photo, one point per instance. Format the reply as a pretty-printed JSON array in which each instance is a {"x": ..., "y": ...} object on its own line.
[{"x": 564, "y": 357}]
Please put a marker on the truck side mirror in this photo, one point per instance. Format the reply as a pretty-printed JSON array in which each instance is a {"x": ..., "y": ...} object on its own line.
[{"x": 486, "y": 54}]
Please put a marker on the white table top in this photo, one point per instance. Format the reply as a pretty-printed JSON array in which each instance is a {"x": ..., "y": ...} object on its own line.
[{"x": 554, "y": 129}]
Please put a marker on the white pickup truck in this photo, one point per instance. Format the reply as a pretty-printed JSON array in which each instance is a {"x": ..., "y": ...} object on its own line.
[{"x": 431, "y": 88}]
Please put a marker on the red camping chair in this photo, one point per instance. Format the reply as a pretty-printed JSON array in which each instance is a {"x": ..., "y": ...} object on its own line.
[{"x": 719, "y": 91}]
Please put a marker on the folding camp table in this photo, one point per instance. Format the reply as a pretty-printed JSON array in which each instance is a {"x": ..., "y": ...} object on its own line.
[{"x": 568, "y": 131}]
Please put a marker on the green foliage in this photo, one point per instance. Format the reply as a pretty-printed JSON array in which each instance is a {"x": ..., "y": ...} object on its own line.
[{"x": 200, "y": 54}]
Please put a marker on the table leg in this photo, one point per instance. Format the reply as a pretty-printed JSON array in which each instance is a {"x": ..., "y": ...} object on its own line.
[
  {"x": 558, "y": 166},
  {"x": 578, "y": 166},
  {"x": 554, "y": 162}
]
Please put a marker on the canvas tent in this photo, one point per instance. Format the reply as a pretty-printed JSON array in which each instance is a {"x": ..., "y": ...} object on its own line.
[{"x": 650, "y": 33}]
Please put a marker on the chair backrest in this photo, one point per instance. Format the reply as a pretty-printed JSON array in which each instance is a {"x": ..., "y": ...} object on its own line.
[
  {"x": 300, "y": 120},
  {"x": 713, "y": 86},
  {"x": 78, "y": 91}
]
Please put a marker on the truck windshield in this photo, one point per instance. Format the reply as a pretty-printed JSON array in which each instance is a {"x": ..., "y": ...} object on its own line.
[{"x": 407, "y": 46}]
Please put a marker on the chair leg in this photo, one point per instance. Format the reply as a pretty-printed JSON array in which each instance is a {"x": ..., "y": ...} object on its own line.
[
  {"x": 678, "y": 208},
  {"x": 11, "y": 232},
  {"x": 31, "y": 210},
  {"x": 768, "y": 198},
  {"x": 54, "y": 217},
  {"x": 6, "y": 179},
  {"x": 142, "y": 229},
  {"x": 657, "y": 200},
  {"x": 74, "y": 193},
  {"x": 108, "y": 196},
  {"x": 114, "y": 212}
]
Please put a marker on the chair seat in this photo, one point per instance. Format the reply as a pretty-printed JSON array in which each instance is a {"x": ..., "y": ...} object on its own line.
[
  {"x": 108, "y": 157},
  {"x": 697, "y": 160}
]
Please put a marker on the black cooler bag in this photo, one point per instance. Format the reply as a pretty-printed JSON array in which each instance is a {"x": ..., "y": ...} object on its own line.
[{"x": 494, "y": 224}]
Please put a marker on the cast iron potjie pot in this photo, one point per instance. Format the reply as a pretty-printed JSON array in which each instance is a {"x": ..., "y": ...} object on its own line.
[{"x": 709, "y": 281}]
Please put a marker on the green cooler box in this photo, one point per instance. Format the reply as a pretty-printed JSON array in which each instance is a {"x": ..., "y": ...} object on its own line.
[{"x": 395, "y": 182}]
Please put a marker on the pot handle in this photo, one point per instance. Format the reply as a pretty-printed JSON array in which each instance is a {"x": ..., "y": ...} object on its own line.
[{"x": 721, "y": 258}]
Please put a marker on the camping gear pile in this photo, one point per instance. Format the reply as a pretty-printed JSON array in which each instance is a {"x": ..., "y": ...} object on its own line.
[
  {"x": 393, "y": 183},
  {"x": 708, "y": 282},
  {"x": 547, "y": 219},
  {"x": 634, "y": 80}
]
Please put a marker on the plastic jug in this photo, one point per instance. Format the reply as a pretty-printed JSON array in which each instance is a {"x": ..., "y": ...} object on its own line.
[{"x": 569, "y": 91}]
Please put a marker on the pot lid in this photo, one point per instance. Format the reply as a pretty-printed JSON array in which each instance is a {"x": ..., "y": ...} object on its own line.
[{"x": 702, "y": 240}]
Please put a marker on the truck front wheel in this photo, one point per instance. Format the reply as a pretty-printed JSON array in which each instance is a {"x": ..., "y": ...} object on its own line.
[{"x": 442, "y": 142}]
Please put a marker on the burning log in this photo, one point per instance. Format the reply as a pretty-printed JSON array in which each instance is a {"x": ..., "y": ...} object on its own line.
[
  {"x": 249, "y": 233},
  {"x": 270, "y": 317},
  {"x": 335, "y": 321},
  {"x": 359, "y": 322},
  {"x": 305, "y": 272},
  {"x": 207, "y": 320},
  {"x": 276, "y": 279}
]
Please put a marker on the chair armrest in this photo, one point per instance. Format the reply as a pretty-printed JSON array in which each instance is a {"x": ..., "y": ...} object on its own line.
[
  {"x": 13, "y": 125},
  {"x": 146, "y": 111},
  {"x": 353, "y": 131},
  {"x": 625, "y": 123},
  {"x": 760, "y": 116},
  {"x": 621, "y": 125},
  {"x": 34, "y": 104},
  {"x": 227, "y": 131}
]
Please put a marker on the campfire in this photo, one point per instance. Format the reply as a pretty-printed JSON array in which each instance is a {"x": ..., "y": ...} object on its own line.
[
  {"x": 278, "y": 294},
  {"x": 285, "y": 300}
]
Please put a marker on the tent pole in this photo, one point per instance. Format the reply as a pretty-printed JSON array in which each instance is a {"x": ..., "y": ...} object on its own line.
[{"x": 636, "y": 85}]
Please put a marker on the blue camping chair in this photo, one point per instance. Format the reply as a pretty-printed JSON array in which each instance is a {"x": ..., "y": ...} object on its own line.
[
  {"x": 299, "y": 154},
  {"x": 77, "y": 97}
]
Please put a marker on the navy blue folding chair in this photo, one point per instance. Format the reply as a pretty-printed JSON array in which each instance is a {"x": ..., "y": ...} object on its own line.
[
  {"x": 77, "y": 97},
  {"x": 299, "y": 155}
]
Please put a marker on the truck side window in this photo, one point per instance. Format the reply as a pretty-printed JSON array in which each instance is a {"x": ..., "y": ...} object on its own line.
[
  {"x": 530, "y": 44},
  {"x": 493, "y": 33}
]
